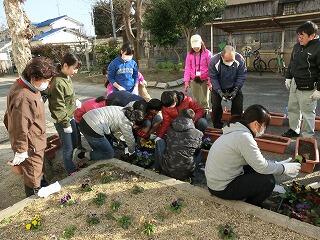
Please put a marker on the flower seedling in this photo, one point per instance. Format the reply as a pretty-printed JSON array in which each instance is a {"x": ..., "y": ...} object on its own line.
[
  {"x": 34, "y": 224},
  {"x": 93, "y": 219},
  {"x": 176, "y": 205},
  {"x": 86, "y": 186},
  {"x": 206, "y": 143},
  {"x": 115, "y": 205},
  {"x": 107, "y": 177},
  {"x": 67, "y": 200},
  {"x": 226, "y": 232},
  {"x": 100, "y": 199},
  {"x": 300, "y": 159},
  {"x": 137, "y": 189},
  {"x": 69, "y": 232},
  {"x": 125, "y": 221},
  {"x": 148, "y": 228},
  {"x": 109, "y": 216}
]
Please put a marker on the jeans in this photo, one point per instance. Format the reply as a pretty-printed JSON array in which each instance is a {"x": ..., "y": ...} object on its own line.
[
  {"x": 69, "y": 142},
  {"x": 158, "y": 154},
  {"x": 101, "y": 147},
  {"x": 236, "y": 107},
  {"x": 201, "y": 124},
  {"x": 251, "y": 186}
]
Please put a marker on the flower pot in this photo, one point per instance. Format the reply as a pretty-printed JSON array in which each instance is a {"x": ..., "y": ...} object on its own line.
[
  {"x": 226, "y": 115},
  {"x": 277, "y": 119},
  {"x": 213, "y": 133},
  {"x": 204, "y": 153},
  {"x": 308, "y": 148},
  {"x": 50, "y": 151},
  {"x": 54, "y": 139},
  {"x": 317, "y": 124},
  {"x": 273, "y": 143}
]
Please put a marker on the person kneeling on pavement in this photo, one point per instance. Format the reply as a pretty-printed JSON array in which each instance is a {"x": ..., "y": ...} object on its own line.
[
  {"x": 235, "y": 168},
  {"x": 176, "y": 155},
  {"x": 99, "y": 124},
  {"x": 173, "y": 103}
]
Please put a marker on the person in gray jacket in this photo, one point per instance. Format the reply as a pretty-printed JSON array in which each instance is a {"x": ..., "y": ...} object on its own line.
[
  {"x": 235, "y": 168},
  {"x": 98, "y": 124}
]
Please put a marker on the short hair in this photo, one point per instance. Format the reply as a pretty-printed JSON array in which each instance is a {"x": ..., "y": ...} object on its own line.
[
  {"x": 188, "y": 113},
  {"x": 257, "y": 113},
  {"x": 140, "y": 105},
  {"x": 154, "y": 104},
  {"x": 308, "y": 28},
  {"x": 168, "y": 98},
  {"x": 71, "y": 60},
  {"x": 228, "y": 49},
  {"x": 39, "y": 68},
  {"x": 127, "y": 48}
]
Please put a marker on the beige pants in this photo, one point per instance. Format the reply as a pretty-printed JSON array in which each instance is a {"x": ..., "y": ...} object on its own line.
[
  {"x": 300, "y": 105},
  {"x": 143, "y": 92},
  {"x": 201, "y": 93}
]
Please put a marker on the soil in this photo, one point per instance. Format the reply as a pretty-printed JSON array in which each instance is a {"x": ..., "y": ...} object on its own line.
[
  {"x": 306, "y": 149},
  {"x": 199, "y": 218},
  {"x": 275, "y": 139}
]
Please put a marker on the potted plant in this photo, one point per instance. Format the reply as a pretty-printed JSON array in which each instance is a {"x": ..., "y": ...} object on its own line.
[
  {"x": 307, "y": 153},
  {"x": 273, "y": 143},
  {"x": 277, "y": 119}
]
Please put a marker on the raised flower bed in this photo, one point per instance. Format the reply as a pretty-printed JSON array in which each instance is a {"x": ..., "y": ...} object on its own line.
[
  {"x": 277, "y": 119},
  {"x": 226, "y": 115},
  {"x": 53, "y": 145},
  {"x": 273, "y": 143},
  {"x": 307, "y": 148},
  {"x": 213, "y": 133}
]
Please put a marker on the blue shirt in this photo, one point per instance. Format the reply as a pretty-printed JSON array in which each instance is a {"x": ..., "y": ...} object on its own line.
[{"x": 123, "y": 73}]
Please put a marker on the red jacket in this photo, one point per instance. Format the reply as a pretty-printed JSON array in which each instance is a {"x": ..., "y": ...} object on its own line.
[
  {"x": 169, "y": 114},
  {"x": 86, "y": 107}
]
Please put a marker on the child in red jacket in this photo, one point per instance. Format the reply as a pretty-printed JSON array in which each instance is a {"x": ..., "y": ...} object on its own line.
[{"x": 173, "y": 103}]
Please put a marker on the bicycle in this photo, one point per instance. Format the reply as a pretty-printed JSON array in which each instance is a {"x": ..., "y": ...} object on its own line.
[
  {"x": 277, "y": 64},
  {"x": 258, "y": 64}
]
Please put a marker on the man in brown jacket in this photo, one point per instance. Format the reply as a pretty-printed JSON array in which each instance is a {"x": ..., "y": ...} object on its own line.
[{"x": 25, "y": 121}]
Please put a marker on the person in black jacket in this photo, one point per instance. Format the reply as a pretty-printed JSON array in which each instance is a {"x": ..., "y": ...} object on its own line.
[{"x": 303, "y": 81}]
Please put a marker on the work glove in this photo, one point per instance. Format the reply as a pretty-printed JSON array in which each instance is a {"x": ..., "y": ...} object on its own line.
[
  {"x": 315, "y": 95},
  {"x": 126, "y": 151},
  {"x": 152, "y": 136},
  {"x": 120, "y": 88},
  {"x": 291, "y": 169},
  {"x": 288, "y": 83},
  {"x": 285, "y": 161},
  {"x": 221, "y": 94},
  {"x": 157, "y": 138},
  {"x": 68, "y": 129},
  {"x": 78, "y": 103},
  {"x": 233, "y": 94},
  {"x": 19, "y": 158}
]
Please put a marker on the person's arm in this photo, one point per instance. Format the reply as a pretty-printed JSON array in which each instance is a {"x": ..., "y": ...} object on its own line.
[
  {"x": 112, "y": 72},
  {"x": 58, "y": 104},
  {"x": 126, "y": 129},
  {"x": 198, "y": 110},
  {"x": 241, "y": 73},
  {"x": 23, "y": 113},
  {"x": 214, "y": 74},
  {"x": 288, "y": 72},
  {"x": 165, "y": 123},
  {"x": 135, "y": 74},
  {"x": 187, "y": 69},
  {"x": 251, "y": 153}
]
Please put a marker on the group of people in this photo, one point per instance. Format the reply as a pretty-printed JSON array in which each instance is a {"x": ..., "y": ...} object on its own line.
[{"x": 235, "y": 168}]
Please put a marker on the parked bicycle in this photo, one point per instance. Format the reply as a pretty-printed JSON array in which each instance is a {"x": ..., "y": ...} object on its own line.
[
  {"x": 277, "y": 64},
  {"x": 258, "y": 64}
]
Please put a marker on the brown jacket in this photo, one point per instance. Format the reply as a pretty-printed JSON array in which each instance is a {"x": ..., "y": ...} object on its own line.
[{"x": 25, "y": 119}]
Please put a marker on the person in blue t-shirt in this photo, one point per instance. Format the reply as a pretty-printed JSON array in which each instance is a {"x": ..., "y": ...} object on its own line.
[{"x": 123, "y": 70}]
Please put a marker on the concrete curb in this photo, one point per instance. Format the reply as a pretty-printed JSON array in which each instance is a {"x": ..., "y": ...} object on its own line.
[{"x": 265, "y": 215}]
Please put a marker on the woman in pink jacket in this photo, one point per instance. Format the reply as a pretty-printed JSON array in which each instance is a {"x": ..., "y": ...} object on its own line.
[{"x": 196, "y": 71}]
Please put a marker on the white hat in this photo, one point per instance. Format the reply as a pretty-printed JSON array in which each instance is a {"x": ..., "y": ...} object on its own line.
[{"x": 196, "y": 41}]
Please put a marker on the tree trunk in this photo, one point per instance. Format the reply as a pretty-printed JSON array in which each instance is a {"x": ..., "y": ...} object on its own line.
[
  {"x": 187, "y": 34},
  {"x": 19, "y": 28},
  {"x": 176, "y": 52}
]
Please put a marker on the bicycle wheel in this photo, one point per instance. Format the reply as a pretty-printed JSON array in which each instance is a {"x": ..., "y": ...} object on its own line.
[
  {"x": 259, "y": 65},
  {"x": 273, "y": 65}
]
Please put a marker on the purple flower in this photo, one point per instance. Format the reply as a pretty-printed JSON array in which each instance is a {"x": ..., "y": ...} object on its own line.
[{"x": 302, "y": 206}]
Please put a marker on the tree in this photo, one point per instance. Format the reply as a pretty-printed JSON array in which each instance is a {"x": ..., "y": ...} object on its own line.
[
  {"x": 20, "y": 31},
  {"x": 184, "y": 16}
]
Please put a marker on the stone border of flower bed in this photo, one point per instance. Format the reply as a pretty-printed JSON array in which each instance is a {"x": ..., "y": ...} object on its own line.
[{"x": 265, "y": 215}]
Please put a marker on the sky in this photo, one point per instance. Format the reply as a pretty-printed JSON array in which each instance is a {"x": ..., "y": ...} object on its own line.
[{"x": 41, "y": 10}]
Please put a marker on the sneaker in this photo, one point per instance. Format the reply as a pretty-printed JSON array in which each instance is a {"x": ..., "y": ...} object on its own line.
[{"x": 290, "y": 134}]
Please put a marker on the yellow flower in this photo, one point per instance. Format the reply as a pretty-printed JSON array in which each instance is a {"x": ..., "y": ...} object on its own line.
[
  {"x": 34, "y": 222},
  {"x": 28, "y": 226}
]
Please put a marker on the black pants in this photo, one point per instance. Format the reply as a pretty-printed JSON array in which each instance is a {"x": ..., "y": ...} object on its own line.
[
  {"x": 236, "y": 107},
  {"x": 251, "y": 186}
]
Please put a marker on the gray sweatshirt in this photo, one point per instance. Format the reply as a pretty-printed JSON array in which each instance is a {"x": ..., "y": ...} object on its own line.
[
  {"x": 230, "y": 152},
  {"x": 111, "y": 119}
]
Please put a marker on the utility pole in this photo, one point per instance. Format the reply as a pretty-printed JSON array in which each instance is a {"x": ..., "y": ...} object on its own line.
[
  {"x": 113, "y": 21},
  {"x": 58, "y": 7}
]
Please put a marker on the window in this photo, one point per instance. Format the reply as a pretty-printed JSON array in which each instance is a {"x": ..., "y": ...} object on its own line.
[{"x": 289, "y": 8}]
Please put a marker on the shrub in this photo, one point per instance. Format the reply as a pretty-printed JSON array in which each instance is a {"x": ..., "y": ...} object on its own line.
[{"x": 54, "y": 52}]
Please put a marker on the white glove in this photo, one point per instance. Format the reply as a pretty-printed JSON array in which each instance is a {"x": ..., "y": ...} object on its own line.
[
  {"x": 279, "y": 189},
  {"x": 157, "y": 138},
  {"x": 288, "y": 83},
  {"x": 19, "y": 158},
  {"x": 120, "y": 88},
  {"x": 291, "y": 169},
  {"x": 68, "y": 129},
  {"x": 315, "y": 95},
  {"x": 152, "y": 136},
  {"x": 52, "y": 188},
  {"x": 285, "y": 161},
  {"x": 78, "y": 103},
  {"x": 126, "y": 151}
]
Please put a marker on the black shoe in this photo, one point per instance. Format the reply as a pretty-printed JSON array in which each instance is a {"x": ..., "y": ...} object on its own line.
[{"x": 290, "y": 134}]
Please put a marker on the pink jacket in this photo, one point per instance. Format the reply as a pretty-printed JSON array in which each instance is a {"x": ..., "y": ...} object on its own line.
[
  {"x": 192, "y": 65},
  {"x": 86, "y": 107},
  {"x": 140, "y": 81}
]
